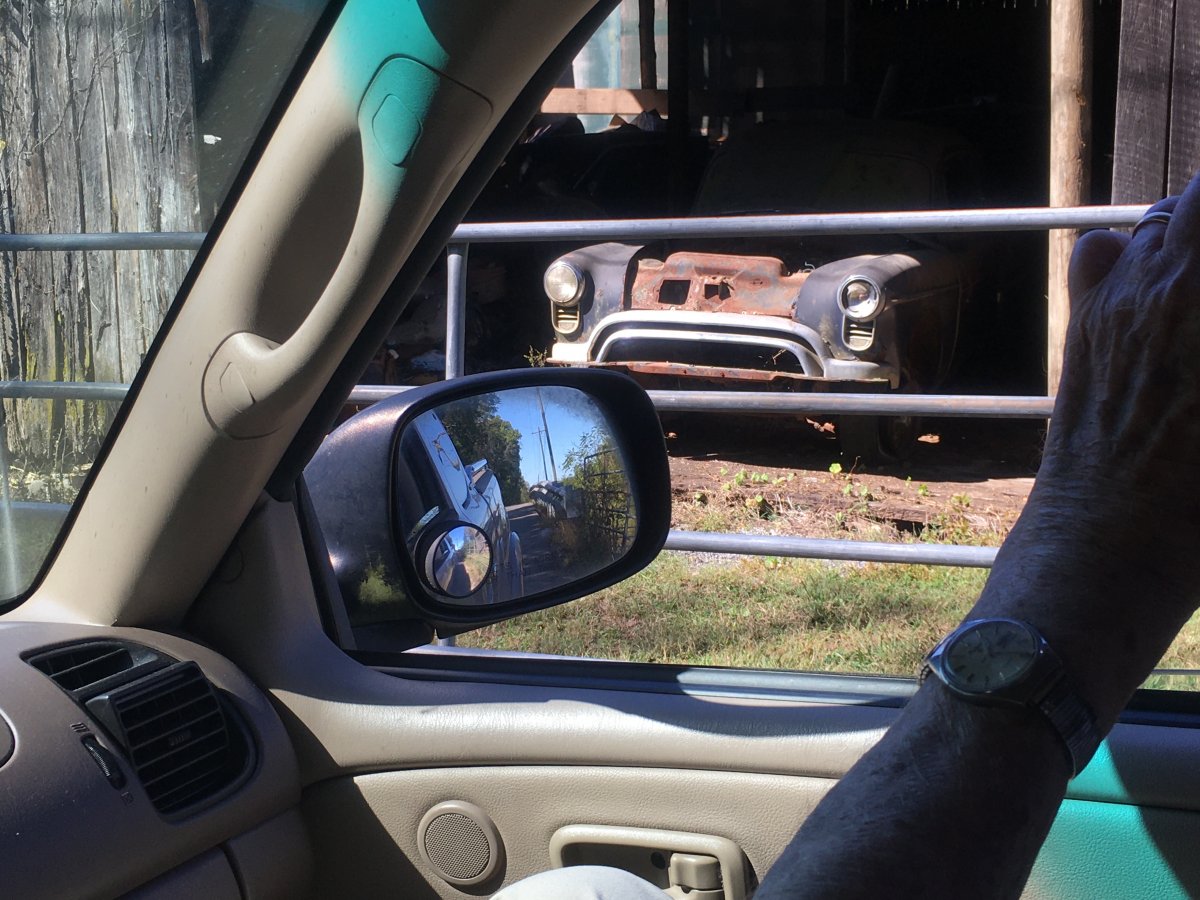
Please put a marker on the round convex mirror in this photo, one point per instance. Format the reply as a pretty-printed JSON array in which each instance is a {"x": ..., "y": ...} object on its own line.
[{"x": 459, "y": 561}]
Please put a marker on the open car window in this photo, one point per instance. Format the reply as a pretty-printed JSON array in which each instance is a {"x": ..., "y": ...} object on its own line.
[{"x": 121, "y": 126}]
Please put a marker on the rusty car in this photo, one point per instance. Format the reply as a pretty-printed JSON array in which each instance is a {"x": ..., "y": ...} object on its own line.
[{"x": 818, "y": 312}]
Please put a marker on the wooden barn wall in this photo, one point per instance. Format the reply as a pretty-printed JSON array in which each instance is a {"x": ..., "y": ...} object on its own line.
[
  {"x": 1157, "y": 146},
  {"x": 96, "y": 135}
]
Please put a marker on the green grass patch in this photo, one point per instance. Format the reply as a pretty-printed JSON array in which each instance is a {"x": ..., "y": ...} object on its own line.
[
  {"x": 755, "y": 612},
  {"x": 763, "y": 612}
]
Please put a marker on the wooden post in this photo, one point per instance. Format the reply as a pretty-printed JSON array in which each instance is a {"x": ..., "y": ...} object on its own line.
[
  {"x": 648, "y": 56},
  {"x": 678, "y": 91},
  {"x": 1070, "y": 151}
]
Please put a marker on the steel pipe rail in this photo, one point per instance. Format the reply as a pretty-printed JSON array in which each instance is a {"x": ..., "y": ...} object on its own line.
[
  {"x": 64, "y": 390},
  {"x": 935, "y": 405},
  {"x": 456, "y": 310},
  {"x": 366, "y": 394},
  {"x": 1041, "y": 218},
  {"x": 705, "y": 542},
  {"x": 927, "y": 222},
  {"x": 117, "y": 240},
  {"x": 100, "y": 391},
  {"x": 924, "y": 222},
  {"x": 820, "y": 548}
]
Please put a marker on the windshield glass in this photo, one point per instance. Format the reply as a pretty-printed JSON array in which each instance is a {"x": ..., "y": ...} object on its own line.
[{"x": 122, "y": 127}]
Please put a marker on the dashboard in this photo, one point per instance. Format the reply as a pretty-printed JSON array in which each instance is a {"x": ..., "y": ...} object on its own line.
[{"x": 142, "y": 764}]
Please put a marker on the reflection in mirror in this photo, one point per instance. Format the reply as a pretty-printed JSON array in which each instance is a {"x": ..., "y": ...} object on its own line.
[
  {"x": 546, "y": 492},
  {"x": 458, "y": 562}
]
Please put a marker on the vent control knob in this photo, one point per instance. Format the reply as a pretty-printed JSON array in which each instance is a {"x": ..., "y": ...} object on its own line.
[{"x": 106, "y": 760}]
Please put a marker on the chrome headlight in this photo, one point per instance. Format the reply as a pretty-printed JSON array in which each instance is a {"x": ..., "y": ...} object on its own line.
[
  {"x": 564, "y": 284},
  {"x": 861, "y": 299}
]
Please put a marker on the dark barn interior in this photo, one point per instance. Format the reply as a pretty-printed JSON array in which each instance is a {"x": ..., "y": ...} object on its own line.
[{"x": 981, "y": 68}]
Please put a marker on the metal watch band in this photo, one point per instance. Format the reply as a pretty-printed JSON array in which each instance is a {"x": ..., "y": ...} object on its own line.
[{"x": 1074, "y": 722}]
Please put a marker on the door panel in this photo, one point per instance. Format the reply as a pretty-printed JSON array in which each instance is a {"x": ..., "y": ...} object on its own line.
[
  {"x": 361, "y": 854},
  {"x": 379, "y": 749},
  {"x": 365, "y": 827}
]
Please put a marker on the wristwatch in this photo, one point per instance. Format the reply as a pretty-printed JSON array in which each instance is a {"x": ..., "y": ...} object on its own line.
[{"x": 1005, "y": 662}]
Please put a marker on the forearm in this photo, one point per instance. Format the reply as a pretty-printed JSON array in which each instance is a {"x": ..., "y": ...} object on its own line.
[
  {"x": 952, "y": 823},
  {"x": 958, "y": 796},
  {"x": 1094, "y": 570},
  {"x": 971, "y": 791}
]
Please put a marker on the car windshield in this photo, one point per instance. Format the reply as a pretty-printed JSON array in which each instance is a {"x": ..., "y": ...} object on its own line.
[{"x": 122, "y": 128}]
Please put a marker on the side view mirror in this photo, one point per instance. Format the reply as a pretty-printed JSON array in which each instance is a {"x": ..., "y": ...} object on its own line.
[{"x": 569, "y": 493}]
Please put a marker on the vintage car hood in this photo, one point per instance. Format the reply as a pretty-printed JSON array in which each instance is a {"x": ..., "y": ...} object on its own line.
[{"x": 716, "y": 282}]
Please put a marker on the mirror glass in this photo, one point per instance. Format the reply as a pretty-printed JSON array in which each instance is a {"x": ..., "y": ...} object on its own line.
[
  {"x": 531, "y": 477},
  {"x": 458, "y": 562}
]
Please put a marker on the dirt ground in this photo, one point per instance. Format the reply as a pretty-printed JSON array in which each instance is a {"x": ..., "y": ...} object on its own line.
[{"x": 968, "y": 479}]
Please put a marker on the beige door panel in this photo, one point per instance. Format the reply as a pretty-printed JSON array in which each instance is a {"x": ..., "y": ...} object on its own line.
[
  {"x": 374, "y": 750},
  {"x": 366, "y": 827},
  {"x": 369, "y": 843}
]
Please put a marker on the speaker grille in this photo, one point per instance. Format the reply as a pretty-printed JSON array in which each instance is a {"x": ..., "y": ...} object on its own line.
[{"x": 457, "y": 846}]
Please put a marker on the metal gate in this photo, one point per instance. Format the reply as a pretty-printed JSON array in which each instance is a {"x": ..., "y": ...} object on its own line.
[{"x": 925, "y": 222}]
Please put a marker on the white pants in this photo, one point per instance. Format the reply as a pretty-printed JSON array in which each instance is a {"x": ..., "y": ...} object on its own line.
[{"x": 581, "y": 883}]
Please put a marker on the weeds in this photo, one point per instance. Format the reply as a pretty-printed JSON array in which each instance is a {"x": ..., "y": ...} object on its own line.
[{"x": 759, "y": 612}]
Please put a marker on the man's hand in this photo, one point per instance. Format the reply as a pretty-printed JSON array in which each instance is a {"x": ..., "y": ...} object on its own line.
[
  {"x": 1131, "y": 390},
  {"x": 957, "y": 798},
  {"x": 1104, "y": 560}
]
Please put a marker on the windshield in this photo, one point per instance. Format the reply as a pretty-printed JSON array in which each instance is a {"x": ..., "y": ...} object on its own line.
[{"x": 122, "y": 128}]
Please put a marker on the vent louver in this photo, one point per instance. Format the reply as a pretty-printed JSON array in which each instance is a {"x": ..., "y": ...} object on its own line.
[
  {"x": 179, "y": 737},
  {"x": 565, "y": 319},
  {"x": 183, "y": 738},
  {"x": 859, "y": 335},
  {"x": 78, "y": 667}
]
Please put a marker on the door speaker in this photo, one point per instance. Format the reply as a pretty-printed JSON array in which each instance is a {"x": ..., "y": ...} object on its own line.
[{"x": 460, "y": 843}]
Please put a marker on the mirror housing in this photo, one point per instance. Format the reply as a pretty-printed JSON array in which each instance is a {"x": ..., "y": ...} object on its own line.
[{"x": 404, "y": 515}]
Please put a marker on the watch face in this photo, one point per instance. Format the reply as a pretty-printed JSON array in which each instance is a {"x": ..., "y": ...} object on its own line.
[{"x": 990, "y": 655}]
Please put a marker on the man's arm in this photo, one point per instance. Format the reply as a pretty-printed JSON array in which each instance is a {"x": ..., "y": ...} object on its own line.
[{"x": 957, "y": 798}]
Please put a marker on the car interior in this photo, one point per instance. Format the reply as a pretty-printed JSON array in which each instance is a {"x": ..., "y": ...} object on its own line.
[{"x": 189, "y": 707}]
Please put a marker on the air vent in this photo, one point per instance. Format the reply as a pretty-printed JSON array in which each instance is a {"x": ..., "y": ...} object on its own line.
[
  {"x": 859, "y": 335},
  {"x": 79, "y": 667},
  {"x": 184, "y": 744},
  {"x": 565, "y": 318}
]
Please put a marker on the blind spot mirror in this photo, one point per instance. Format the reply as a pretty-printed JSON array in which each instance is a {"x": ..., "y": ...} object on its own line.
[
  {"x": 547, "y": 501},
  {"x": 458, "y": 562}
]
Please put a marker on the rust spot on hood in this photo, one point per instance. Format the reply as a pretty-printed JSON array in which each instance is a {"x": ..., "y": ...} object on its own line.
[{"x": 717, "y": 282}]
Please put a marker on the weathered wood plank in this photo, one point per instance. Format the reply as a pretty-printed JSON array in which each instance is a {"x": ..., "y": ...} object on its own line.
[
  {"x": 1183, "y": 155},
  {"x": 96, "y": 116},
  {"x": 604, "y": 101},
  {"x": 1143, "y": 101}
]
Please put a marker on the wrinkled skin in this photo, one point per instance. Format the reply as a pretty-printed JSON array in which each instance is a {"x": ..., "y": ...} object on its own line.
[
  {"x": 956, "y": 799},
  {"x": 1104, "y": 558}
]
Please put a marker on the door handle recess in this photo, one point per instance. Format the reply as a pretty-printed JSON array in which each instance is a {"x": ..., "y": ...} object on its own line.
[{"x": 684, "y": 864}]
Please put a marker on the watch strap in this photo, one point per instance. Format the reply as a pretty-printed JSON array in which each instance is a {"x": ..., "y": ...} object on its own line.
[{"x": 1074, "y": 722}]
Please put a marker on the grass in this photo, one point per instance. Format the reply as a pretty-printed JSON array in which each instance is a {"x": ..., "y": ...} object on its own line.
[
  {"x": 763, "y": 612},
  {"x": 756, "y": 612}
]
